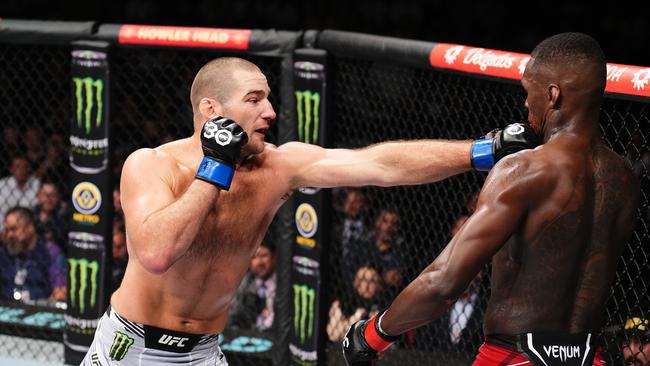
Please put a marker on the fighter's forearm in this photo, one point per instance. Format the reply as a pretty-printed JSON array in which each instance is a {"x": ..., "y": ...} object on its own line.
[
  {"x": 423, "y": 300},
  {"x": 166, "y": 235},
  {"x": 420, "y": 161}
]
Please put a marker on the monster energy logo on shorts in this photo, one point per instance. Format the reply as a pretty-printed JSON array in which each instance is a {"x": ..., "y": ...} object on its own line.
[
  {"x": 78, "y": 289},
  {"x": 120, "y": 346},
  {"x": 308, "y": 107},
  {"x": 88, "y": 96},
  {"x": 303, "y": 317}
]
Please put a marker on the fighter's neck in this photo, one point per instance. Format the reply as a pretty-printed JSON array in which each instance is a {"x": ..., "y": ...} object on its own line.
[{"x": 583, "y": 125}]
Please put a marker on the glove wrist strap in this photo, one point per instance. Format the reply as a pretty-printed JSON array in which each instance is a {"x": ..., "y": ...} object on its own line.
[
  {"x": 375, "y": 337},
  {"x": 482, "y": 157},
  {"x": 215, "y": 172}
]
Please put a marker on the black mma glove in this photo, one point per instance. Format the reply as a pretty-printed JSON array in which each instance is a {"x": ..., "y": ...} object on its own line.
[
  {"x": 364, "y": 340},
  {"x": 515, "y": 137},
  {"x": 221, "y": 140}
]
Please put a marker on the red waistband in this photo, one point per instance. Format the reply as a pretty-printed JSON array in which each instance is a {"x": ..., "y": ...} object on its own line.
[{"x": 490, "y": 354}]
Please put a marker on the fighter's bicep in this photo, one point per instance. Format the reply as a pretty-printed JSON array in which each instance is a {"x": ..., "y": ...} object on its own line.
[
  {"x": 144, "y": 188},
  {"x": 318, "y": 167}
]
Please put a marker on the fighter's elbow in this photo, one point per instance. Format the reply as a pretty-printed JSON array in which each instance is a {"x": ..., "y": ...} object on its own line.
[
  {"x": 154, "y": 263},
  {"x": 440, "y": 288},
  {"x": 153, "y": 260}
]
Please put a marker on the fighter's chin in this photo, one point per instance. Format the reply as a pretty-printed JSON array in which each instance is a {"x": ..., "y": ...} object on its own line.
[{"x": 253, "y": 148}]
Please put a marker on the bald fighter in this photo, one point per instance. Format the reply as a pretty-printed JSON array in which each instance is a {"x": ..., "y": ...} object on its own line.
[
  {"x": 553, "y": 221},
  {"x": 196, "y": 210}
]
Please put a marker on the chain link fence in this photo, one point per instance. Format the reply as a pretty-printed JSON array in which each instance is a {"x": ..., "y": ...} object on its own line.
[
  {"x": 399, "y": 231},
  {"x": 149, "y": 105}
]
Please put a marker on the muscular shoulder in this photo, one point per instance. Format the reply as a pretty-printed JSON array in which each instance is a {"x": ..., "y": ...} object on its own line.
[
  {"x": 524, "y": 167},
  {"x": 149, "y": 159},
  {"x": 147, "y": 164},
  {"x": 295, "y": 154}
]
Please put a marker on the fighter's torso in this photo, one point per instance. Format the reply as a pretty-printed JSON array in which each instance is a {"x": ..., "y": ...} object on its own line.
[
  {"x": 193, "y": 295},
  {"x": 554, "y": 274}
]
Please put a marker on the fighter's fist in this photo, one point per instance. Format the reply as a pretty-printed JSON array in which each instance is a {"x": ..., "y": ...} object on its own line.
[
  {"x": 363, "y": 341},
  {"x": 515, "y": 137},
  {"x": 221, "y": 140}
]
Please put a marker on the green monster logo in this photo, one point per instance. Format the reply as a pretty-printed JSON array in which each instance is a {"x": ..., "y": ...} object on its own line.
[
  {"x": 120, "y": 346},
  {"x": 308, "y": 106},
  {"x": 78, "y": 295},
  {"x": 92, "y": 89},
  {"x": 303, "y": 318}
]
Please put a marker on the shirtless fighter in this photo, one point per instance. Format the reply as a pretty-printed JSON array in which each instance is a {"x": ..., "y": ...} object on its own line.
[
  {"x": 192, "y": 229},
  {"x": 553, "y": 220}
]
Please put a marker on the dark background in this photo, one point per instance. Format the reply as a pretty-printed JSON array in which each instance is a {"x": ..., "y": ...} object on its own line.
[{"x": 622, "y": 27}]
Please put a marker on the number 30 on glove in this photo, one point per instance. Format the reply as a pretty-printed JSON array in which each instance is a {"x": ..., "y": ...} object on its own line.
[{"x": 221, "y": 141}]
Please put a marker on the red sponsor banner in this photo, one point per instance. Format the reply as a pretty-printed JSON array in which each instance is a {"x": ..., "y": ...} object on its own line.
[
  {"x": 627, "y": 79},
  {"x": 476, "y": 60},
  {"x": 622, "y": 79},
  {"x": 184, "y": 36}
]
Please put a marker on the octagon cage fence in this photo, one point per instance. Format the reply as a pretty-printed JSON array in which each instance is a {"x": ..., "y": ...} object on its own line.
[{"x": 374, "y": 240}]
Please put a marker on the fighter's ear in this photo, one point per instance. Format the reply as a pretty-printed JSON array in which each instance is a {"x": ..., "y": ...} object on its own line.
[
  {"x": 553, "y": 94},
  {"x": 210, "y": 108}
]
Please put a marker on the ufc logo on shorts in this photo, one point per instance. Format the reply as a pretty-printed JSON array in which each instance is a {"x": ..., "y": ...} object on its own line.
[{"x": 171, "y": 341}]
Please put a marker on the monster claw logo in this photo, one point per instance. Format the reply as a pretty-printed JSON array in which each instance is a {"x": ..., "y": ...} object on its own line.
[
  {"x": 80, "y": 288},
  {"x": 88, "y": 96},
  {"x": 308, "y": 108},
  {"x": 303, "y": 318},
  {"x": 120, "y": 346}
]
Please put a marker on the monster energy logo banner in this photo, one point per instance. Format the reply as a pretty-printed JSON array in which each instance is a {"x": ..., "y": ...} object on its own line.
[
  {"x": 88, "y": 96},
  {"x": 83, "y": 291},
  {"x": 120, "y": 346},
  {"x": 308, "y": 111},
  {"x": 303, "y": 318}
]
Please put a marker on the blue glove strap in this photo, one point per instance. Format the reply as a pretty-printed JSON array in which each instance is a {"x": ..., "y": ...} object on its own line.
[
  {"x": 215, "y": 172},
  {"x": 482, "y": 156}
]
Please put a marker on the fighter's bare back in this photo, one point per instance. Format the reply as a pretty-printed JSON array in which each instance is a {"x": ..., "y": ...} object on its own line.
[{"x": 554, "y": 273}]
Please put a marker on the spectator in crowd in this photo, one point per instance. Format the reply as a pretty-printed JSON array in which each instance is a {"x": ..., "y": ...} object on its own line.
[
  {"x": 20, "y": 188},
  {"x": 368, "y": 286},
  {"x": 34, "y": 147},
  {"x": 9, "y": 148},
  {"x": 252, "y": 307},
  {"x": 120, "y": 254},
  {"x": 31, "y": 267},
  {"x": 384, "y": 245},
  {"x": 54, "y": 163},
  {"x": 635, "y": 341},
  {"x": 51, "y": 214},
  {"x": 353, "y": 232}
]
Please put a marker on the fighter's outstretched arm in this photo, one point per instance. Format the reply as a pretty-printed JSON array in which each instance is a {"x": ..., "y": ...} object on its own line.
[
  {"x": 384, "y": 164},
  {"x": 160, "y": 226},
  {"x": 401, "y": 162}
]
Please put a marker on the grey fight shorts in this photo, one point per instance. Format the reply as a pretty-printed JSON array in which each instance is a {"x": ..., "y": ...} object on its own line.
[{"x": 122, "y": 342}]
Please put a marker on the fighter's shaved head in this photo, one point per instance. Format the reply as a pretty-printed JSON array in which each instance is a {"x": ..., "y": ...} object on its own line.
[
  {"x": 215, "y": 80},
  {"x": 578, "y": 51}
]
